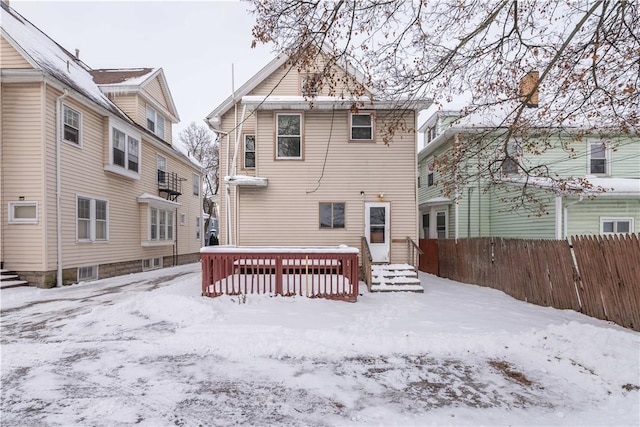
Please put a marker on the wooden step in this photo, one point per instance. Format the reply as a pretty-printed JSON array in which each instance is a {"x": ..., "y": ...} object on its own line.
[{"x": 395, "y": 278}]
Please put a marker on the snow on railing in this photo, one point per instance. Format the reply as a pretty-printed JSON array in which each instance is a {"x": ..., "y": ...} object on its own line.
[{"x": 315, "y": 272}]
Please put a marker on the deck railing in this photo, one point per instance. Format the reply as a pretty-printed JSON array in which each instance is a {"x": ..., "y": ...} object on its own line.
[
  {"x": 315, "y": 272},
  {"x": 413, "y": 253},
  {"x": 367, "y": 260}
]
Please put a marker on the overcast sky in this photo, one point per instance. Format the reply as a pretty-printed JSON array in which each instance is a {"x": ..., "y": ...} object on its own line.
[{"x": 195, "y": 43}]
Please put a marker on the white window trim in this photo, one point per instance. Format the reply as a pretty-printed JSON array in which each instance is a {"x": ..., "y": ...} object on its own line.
[
  {"x": 607, "y": 157},
  {"x": 183, "y": 219},
  {"x": 14, "y": 220},
  {"x": 92, "y": 220},
  {"x": 157, "y": 241},
  {"x": 198, "y": 229},
  {"x": 300, "y": 136},
  {"x": 513, "y": 147},
  {"x": 96, "y": 273},
  {"x": 314, "y": 89},
  {"x": 433, "y": 222},
  {"x": 372, "y": 126},
  {"x": 430, "y": 171},
  {"x": 117, "y": 169},
  {"x": 74, "y": 144},
  {"x": 154, "y": 263},
  {"x": 156, "y": 119},
  {"x": 604, "y": 219}
]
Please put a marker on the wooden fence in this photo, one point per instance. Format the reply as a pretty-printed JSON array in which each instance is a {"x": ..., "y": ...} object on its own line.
[{"x": 596, "y": 275}]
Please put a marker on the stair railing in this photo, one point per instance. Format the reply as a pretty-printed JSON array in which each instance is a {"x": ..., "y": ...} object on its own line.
[
  {"x": 413, "y": 253},
  {"x": 367, "y": 260}
]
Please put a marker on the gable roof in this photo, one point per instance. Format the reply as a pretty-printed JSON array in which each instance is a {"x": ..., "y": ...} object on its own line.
[
  {"x": 134, "y": 80},
  {"x": 55, "y": 62},
  {"x": 260, "y": 76},
  {"x": 49, "y": 57}
]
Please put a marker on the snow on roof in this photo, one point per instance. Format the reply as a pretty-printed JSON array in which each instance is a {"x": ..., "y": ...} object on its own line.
[
  {"x": 591, "y": 185},
  {"x": 123, "y": 76},
  {"x": 329, "y": 102},
  {"x": 436, "y": 200},
  {"x": 150, "y": 198},
  {"x": 246, "y": 180},
  {"x": 52, "y": 58}
]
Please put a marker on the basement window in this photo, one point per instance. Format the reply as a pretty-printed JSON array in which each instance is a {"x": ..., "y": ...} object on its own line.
[
  {"x": 88, "y": 273},
  {"x": 151, "y": 263}
]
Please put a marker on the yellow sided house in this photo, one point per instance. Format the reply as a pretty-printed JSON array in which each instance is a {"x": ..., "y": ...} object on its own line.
[
  {"x": 305, "y": 161},
  {"x": 91, "y": 185}
]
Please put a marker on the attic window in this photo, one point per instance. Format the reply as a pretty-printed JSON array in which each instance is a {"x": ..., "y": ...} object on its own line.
[
  {"x": 155, "y": 122},
  {"x": 310, "y": 85}
]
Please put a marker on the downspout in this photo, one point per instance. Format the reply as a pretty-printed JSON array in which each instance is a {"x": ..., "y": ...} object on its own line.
[
  {"x": 59, "y": 184},
  {"x": 566, "y": 213},
  {"x": 457, "y": 216},
  {"x": 235, "y": 160},
  {"x": 469, "y": 192},
  {"x": 558, "y": 217}
]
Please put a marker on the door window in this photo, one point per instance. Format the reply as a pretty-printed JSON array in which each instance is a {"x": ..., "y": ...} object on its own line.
[
  {"x": 377, "y": 225},
  {"x": 441, "y": 224}
]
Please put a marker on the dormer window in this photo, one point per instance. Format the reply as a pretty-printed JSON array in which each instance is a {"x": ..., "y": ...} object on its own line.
[
  {"x": 431, "y": 134},
  {"x": 310, "y": 85},
  {"x": 155, "y": 122}
]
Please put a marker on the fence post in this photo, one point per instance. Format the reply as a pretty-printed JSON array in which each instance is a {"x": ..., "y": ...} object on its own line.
[{"x": 279, "y": 275}]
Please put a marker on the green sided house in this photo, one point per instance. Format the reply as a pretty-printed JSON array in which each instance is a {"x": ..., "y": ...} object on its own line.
[
  {"x": 606, "y": 171},
  {"x": 91, "y": 183},
  {"x": 307, "y": 163}
]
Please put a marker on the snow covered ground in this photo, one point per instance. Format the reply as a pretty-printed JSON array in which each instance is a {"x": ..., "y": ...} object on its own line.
[{"x": 147, "y": 349}]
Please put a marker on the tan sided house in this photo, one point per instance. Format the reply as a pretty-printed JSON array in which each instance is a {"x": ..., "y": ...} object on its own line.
[
  {"x": 91, "y": 185},
  {"x": 305, "y": 162}
]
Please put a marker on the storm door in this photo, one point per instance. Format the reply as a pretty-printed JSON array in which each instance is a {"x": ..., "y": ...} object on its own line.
[{"x": 377, "y": 230}]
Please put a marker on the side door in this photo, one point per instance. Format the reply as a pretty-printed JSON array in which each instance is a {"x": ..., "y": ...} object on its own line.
[{"x": 377, "y": 230}]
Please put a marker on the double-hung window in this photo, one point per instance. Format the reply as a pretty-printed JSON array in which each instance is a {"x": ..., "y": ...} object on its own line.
[
  {"x": 162, "y": 169},
  {"x": 599, "y": 158},
  {"x": 155, "y": 122},
  {"x": 249, "y": 151},
  {"x": 92, "y": 219},
  {"x": 361, "y": 127},
  {"x": 160, "y": 225},
  {"x": 72, "y": 121},
  {"x": 196, "y": 185},
  {"x": 289, "y": 136},
  {"x": 331, "y": 215},
  {"x": 430, "y": 170},
  {"x": 511, "y": 163},
  {"x": 125, "y": 153}
]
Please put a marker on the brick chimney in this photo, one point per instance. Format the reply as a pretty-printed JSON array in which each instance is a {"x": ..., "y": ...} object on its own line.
[{"x": 527, "y": 84}]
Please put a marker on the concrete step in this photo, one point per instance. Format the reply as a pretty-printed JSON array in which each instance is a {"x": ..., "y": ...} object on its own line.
[{"x": 9, "y": 279}]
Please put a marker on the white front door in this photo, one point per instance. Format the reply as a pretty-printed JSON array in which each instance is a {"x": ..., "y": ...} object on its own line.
[{"x": 377, "y": 230}]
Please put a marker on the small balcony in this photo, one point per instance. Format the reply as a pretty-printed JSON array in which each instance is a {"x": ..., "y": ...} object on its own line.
[{"x": 170, "y": 184}]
